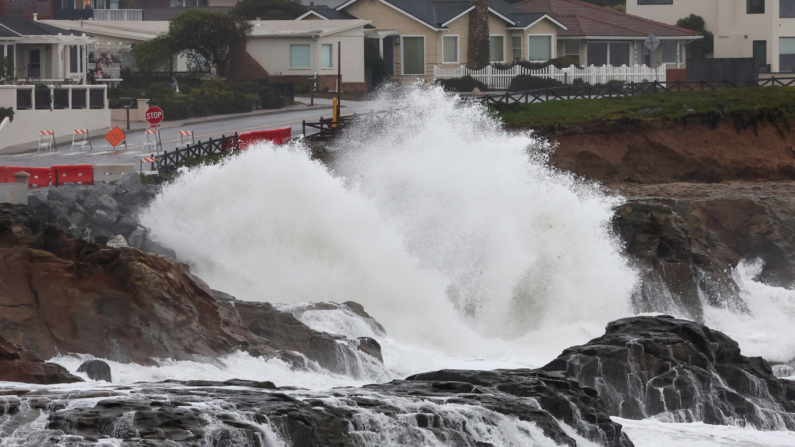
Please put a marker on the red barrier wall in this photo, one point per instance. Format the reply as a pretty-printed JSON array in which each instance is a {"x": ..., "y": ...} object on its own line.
[
  {"x": 3, "y": 170},
  {"x": 38, "y": 176},
  {"x": 78, "y": 174},
  {"x": 277, "y": 136}
]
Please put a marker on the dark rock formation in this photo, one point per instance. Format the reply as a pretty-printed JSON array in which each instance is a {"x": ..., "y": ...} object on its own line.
[
  {"x": 753, "y": 221},
  {"x": 466, "y": 408},
  {"x": 679, "y": 259},
  {"x": 19, "y": 365},
  {"x": 96, "y": 370},
  {"x": 680, "y": 371},
  {"x": 63, "y": 295}
]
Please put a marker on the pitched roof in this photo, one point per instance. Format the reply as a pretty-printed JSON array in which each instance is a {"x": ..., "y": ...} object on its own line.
[
  {"x": 587, "y": 20},
  {"x": 12, "y": 26},
  {"x": 278, "y": 28},
  {"x": 327, "y": 13},
  {"x": 141, "y": 31},
  {"x": 437, "y": 13}
]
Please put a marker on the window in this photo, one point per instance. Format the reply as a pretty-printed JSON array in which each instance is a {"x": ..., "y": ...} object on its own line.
[
  {"x": 516, "y": 47},
  {"x": 670, "y": 51},
  {"x": 755, "y": 6},
  {"x": 449, "y": 49},
  {"x": 75, "y": 59},
  {"x": 413, "y": 55},
  {"x": 786, "y": 9},
  {"x": 326, "y": 55},
  {"x": 571, "y": 49},
  {"x": 615, "y": 54},
  {"x": 497, "y": 48},
  {"x": 655, "y": 2},
  {"x": 539, "y": 48},
  {"x": 760, "y": 52},
  {"x": 299, "y": 56},
  {"x": 786, "y": 54}
]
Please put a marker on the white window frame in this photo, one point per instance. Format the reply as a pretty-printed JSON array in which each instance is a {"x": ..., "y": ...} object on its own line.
[
  {"x": 457, "y": 49},
  {"x": 504, "y": 48},
  {"x": 521, "y": 46},
  {"x": 551, "y": 46},
  {"x": 424, "y": 55},
  {"x": 330, "y": 67},
  {"x": 5, "y": 50},
  {"x": 290, "y": 56}
]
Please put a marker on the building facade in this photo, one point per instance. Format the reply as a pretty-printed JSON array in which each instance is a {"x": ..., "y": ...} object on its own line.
[{"x": 762, "y": 29}]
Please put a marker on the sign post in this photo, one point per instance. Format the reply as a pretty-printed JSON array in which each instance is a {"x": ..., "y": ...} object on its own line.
[
  {"x": 652, "y": 42},
  {"x": 154, "y": 115}
]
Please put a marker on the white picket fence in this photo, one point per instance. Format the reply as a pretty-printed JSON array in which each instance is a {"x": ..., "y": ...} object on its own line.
[{"x": 495, "y": 78}]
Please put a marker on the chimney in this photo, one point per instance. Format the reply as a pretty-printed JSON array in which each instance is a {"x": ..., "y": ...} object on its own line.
[{"x": 35, "y": 17}]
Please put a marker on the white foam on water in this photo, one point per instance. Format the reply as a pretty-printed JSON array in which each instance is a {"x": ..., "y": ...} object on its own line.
[
  {"x": 768, "y": 329},
  {"x": 453, "y": 234},
  {"x": 239, "y": 365},
  {"x": 652, "y": 433}
]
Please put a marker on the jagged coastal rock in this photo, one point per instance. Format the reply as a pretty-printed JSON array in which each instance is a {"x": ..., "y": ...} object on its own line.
[
  {"x": 96, "y": 370},
  {"x": 20, "y": 365},
  {"x": 679, "y": 371},
  {"x": 66, "y": 295}
]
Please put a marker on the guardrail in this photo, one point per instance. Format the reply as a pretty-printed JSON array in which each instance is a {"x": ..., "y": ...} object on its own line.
[
  {"x": 618, "y": 90},
  {"x": 501, "y": 78},
  {"x": 224, "y": 145}
]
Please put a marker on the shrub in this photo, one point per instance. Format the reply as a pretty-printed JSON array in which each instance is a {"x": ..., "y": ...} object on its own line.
[
  {"x": 270, "y": 99},
  {"x": 526, "y": 82},
  {"x": 6, "y": 112},
  {"x": 461, "y": 85}
]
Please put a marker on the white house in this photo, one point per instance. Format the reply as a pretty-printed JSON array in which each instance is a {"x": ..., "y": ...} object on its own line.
[
  {"x": 763, "y": 29},
  {"x": 297, "y": 50}
]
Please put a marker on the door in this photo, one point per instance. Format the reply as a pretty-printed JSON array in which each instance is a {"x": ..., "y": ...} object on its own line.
[
  {"x": 389, "y": 53},
  {"x": 760, "y": 54},
  {"x": 34, "y": 64}
]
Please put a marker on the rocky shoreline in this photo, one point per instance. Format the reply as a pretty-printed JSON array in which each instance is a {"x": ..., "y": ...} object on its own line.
[{"x": 69, "y": 289}]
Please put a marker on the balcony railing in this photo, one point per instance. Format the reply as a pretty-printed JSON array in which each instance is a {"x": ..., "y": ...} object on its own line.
[
  {"x": 135, "y": 15},
  {"x": 74, "y": 97}
]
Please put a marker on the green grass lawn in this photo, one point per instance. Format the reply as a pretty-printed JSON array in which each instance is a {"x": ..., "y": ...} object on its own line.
[{"x": 746, "y": 106}]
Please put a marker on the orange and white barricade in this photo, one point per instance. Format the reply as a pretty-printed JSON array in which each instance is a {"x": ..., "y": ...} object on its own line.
[
  {"x": 81, "y": 139},
  {"x": 47, "y": 141},
  {"x": 185, "y": 139},
  {"x": 153, "y": 140},
  {"x": 151, "y": 160}
]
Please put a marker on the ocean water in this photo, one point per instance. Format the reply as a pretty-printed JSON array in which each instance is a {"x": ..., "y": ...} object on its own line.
[{"x": 456, "y": 236}]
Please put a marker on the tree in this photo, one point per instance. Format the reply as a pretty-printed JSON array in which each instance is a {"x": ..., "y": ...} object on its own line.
[
  {"x": 478, "y": 38},
  {"x": 154, "y": 54},
  {"x": 208, "y": 34},
  {"x": 700, "y": 48},
  {"x": 7, "y": 71},
  {"x": 268, "y": 9}
]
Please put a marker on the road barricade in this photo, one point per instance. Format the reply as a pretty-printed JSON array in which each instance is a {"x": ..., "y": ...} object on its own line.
[
  {"x": 77, "y": 174},
  {"x": 38, "y": 176},
  {"x": 277, "y": 136},
  {"x": 3, "y": 170}
]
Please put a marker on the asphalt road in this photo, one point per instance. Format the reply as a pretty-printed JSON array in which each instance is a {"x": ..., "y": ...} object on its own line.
[{"x": 102, "y": 153}]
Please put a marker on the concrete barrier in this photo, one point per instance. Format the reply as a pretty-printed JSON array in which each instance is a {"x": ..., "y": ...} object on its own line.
[
  {"x": 15, "y": 193},
  {"x": 111, "y": 173}
]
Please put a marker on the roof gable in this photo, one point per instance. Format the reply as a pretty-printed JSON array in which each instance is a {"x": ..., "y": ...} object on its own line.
[
  {"x": 587, "y": 20},
  {"x": 12, "y": 26},
  {"x": 437, "y": 14}
]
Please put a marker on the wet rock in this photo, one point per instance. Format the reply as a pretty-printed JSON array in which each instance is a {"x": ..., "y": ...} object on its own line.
[
  {"x": 371, "y": 347},
  {"x": 137, "y": 238},
  {"x": 223, "y": 296},
  {"x": 104, "y": 219},
  {"x": 125, "y": 226},
  {"x": 36, "y": 198},
  {"x": 130, "y": 184},
  {"x": 151, "y": 246},
  {"x": 679, "y": 371},
  {"x": 77, "y": 218},
  {"x": 58, "y": 207},
  {"x": 20, "y": 365},
  {"x": 679, "y": 258},
  {"x": 65, "y": 193},
  {"x": 351, "y": 308},
  {"x": 96, "y": 201},
  {"x": 96, "y": 370}
]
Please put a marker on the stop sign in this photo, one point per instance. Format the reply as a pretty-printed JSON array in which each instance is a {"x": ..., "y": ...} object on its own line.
[{"x": 154, "y": 115}]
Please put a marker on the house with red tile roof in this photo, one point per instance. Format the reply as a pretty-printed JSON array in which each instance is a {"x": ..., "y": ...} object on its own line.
[{"x": 598, "y": 36}]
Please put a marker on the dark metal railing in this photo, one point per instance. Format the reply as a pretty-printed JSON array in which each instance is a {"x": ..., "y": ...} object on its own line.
[
  {"x": 224, "y": 145},
  {"x": 588, "y": 91}
]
